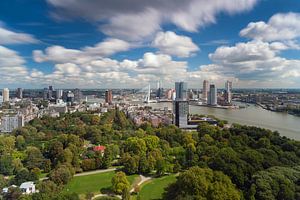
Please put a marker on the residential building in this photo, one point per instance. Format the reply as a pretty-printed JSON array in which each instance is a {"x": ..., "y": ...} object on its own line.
[
  {"x": 19, "y": 93},
  {"x": 11, "y": 122},
  {"x": 5, "y": 94},
  {"x": 205, "y": 90},
  {"x": 28, "y": 187},
  {"x": 228, "y": 91},
  {"x": 108, "y": 96}
]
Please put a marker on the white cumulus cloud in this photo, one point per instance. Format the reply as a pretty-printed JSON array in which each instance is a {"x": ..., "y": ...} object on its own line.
[{"x": 173, "y": 44}]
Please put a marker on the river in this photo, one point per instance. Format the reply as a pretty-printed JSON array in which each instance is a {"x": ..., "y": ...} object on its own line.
[{"x": 286, "y": 124}]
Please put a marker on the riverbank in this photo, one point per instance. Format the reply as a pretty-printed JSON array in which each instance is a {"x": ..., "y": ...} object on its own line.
[
  {"x": 252, "y": 115},
  {"x": 194, "y": 103}
]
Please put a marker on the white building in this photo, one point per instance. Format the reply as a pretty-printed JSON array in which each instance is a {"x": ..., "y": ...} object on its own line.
[
  {"x": 28, "y": 187},
  {"x": 5, "y": 94},
  {"x": 9, "y": 123}
]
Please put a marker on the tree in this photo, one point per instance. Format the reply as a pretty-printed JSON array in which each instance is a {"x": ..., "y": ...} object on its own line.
[
  {"x": 5, "y": 165},
  {"x": 3, "y": 181},
  {"x": 20, "y": 142},
  {"x": 61, "y": 175},
  {"x": 277, "y": 183},
  {"x": 7, "y": 144},
  {"x": 131, "y": 163},
  {"x": 48, "y": 190},
  {"x": 120, "y": 183},
  {"x": 34, "y": 157},
  {"x": 135, "y": 146},
  {"x": 202, "y": 183}
]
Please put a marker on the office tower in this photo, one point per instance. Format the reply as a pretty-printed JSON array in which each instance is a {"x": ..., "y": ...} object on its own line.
[
  {"x": 5, "y": 94},
  {"x": 19, "y": 93},
  {"x": 108, "y": 96},
  {"x": 228, "y": 91},
  {"x": 70, "y": 97},
  {"x": 205, "y": 90},
  {"x": 77, "y": 95},
  {"x": 180, "y": 105},
  {"x": 212, "y": 95},
  {"x": 59, "y": 94},
  {"x": 45, "y": 94},
  {"x": 228, "y": 85},
  {"x": 160, "y": 93},
  {"x": 181, "y": 91},
  {"x": 181, "y": 113},
  {"x": 50, "y": 92}
]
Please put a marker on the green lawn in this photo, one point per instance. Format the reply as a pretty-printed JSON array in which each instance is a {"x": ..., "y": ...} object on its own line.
[
  {"x": 155, "y": 188},
  {"x": 92, "y": 183}
]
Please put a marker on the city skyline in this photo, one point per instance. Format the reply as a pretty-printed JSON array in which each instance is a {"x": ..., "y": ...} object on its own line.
[{"x": 129, "y": 44}]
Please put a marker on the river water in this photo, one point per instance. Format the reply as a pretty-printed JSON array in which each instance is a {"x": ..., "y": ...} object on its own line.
[{"x": 286, "y": 124}]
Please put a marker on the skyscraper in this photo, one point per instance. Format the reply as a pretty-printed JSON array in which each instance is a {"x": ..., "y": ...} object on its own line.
[
  {"x": 205, "y": 90},
  {"x": 5, "y": 94},
  {"x": 108, "y": 96},
  {"x": 212, "y": 95},
  {"x": 180, "y": 105},
  {"x": 19, "y": 93},
  {"x": 228, "y": 91},
  {"x": 50, "y": 92},
  {"x": 228, "y": 85},
  {"x": 77, "y": 95},
  {"x": 181, "y": 91},
  {"x": 45, "y": 94},
  {"x": 59, "y": 94}
]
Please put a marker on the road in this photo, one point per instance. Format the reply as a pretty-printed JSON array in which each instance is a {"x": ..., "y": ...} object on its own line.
[
  {"x": 95, "y": 172},
  {"x": 99, "y": 171}
]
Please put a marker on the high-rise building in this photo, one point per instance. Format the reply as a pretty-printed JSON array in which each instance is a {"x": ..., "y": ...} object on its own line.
[
  {"x": 45, "y": 94},
  {"x": 108, "y": 96},
  {"x": 181, "y": 91},
  {"x": 181, "y": 113},
  {"x": 77, "y": 95},
  {"x": 19, "y": 93},
  {"x": 5, "y": 94},
  {"x": 228, "y": 91},
  {"x": 205, "y": 90},
  {"x": 50, "y": 92},
  {"x": 212, "y": 95},
  {"x": 180, "y": 105},
  {"x": 59, "y": 94},
  {"x": 70, "y": 97}
]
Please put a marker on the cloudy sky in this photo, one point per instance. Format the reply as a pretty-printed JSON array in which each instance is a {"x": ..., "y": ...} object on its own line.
[{"x": 131, "y": 43}]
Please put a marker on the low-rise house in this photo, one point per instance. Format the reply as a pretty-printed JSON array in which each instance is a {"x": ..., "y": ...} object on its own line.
[
  {"x": 28, "y": 187},
  {"x": 100, "y": 149}
]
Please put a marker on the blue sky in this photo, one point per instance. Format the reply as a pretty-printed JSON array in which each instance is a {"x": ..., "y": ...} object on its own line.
[{"x": 130, "y": 43}]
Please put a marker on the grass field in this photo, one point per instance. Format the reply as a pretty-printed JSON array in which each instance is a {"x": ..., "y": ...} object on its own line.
[
  {"x": 154, "y": 189},
  {"x": 92, "y": 183}
]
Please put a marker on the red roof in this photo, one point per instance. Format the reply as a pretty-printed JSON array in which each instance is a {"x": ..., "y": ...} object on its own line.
[{"x": 99, "y": 148}]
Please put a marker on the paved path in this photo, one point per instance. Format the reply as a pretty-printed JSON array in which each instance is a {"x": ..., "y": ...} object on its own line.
[
  {"x": 88, "y": 173},
  {"x": 96, "y": 172},
  {"x": 106, "y": 195},
  {"x": 143, "y": 180}
]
